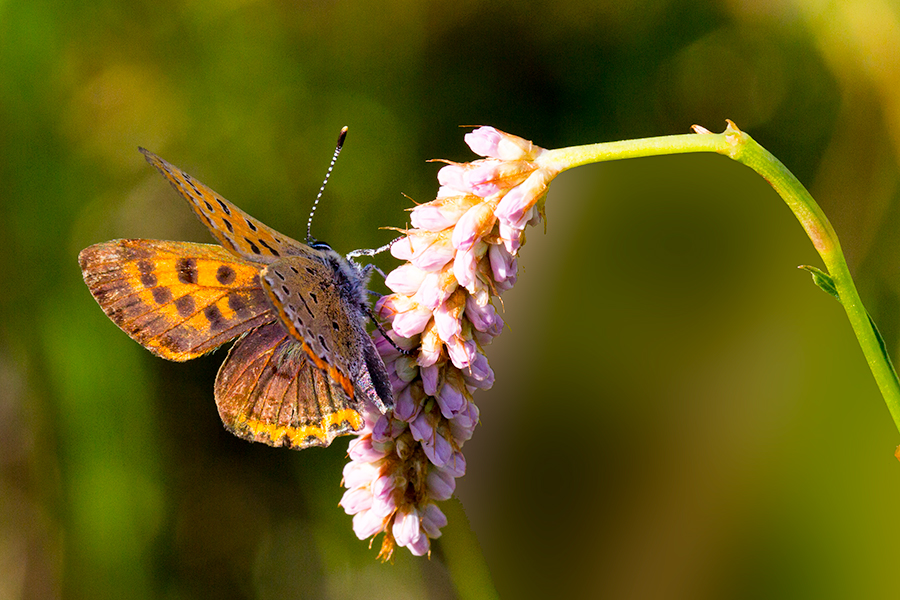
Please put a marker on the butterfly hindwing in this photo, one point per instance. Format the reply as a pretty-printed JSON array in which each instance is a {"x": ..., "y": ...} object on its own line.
[
  {"x": 269, "y": 391},
  {"x": 177, "y": 299},
  {"x": 236, "y": 230}
]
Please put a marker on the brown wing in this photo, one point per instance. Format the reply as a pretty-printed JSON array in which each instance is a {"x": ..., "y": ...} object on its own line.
[
  {"x": 303, "y": 291},
  {"x": 306, "y": 292},
  {"x": 268, "y": 391},
  {"x": 177, "y": 299},
  {"x": 235, "y": 229}
]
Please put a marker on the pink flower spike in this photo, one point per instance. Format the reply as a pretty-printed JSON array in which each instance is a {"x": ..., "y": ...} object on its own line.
[
  {"x": 405, "y": 279},
  {"x": 460, "y": 253}
]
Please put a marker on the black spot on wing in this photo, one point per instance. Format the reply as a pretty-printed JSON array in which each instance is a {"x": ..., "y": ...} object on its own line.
[
  {"x": 238, "y": 305},
  {"x": 185, "y": 306},
  {"x": 187, "y": 270},
  {"x": 162, "y": 295},
  {"x": 225, "y": 275},
  {"x": 269, "y": 248},
  {"x": 149, "y": 280},
  {"x": 253, "y": 247},
  {"x": 224, "y": 207},
  {"x": 214, "y": 315}
]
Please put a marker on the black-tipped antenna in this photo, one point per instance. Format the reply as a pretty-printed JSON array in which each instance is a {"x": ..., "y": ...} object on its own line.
[{"x": 337, "y": 151}]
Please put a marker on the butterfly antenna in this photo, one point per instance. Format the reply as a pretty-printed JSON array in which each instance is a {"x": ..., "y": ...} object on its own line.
[{"x": 337, "y": 151}]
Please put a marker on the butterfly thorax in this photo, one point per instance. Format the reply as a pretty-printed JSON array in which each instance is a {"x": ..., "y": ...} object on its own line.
[{"x": 351, "y": 279}]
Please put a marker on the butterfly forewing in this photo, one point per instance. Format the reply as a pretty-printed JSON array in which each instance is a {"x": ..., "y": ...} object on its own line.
[
  {"x": 177, "y": 299},
  {"x": 303, "y": 291},
  {"x": 235, "y": 229},
  {"x": 269, "y": 391}
]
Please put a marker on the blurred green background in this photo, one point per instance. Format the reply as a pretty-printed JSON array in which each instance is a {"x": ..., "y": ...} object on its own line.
[{"x": 679, "y": 412}]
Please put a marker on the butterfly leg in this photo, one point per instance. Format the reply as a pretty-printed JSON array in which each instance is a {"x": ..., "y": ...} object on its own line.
[
  {"x": 373, "y": 252},
  {"x": 372, "y": 316}
]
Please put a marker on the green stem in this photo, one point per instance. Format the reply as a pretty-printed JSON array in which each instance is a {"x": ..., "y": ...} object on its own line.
[{"x": 742, "y": 148}]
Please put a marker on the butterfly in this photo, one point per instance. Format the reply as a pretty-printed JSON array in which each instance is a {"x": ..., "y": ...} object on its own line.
[{"x": 303, "y": 364}]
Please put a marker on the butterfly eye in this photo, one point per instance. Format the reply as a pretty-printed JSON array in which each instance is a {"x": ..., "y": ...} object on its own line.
[{"x": 320, "y": 246}]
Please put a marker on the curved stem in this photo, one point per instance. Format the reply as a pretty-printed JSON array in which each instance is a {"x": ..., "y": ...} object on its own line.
[{"x": 742, "y": 148}]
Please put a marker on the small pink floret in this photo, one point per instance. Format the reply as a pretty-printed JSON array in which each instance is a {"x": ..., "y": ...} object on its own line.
[{"x": 483, "y": 141}]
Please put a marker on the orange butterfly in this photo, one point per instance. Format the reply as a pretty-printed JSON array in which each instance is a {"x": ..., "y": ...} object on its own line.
[{"x": 304, "y": 363}]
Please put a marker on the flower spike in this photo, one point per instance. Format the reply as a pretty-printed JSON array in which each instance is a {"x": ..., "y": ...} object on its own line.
[{"x": 461, "y": 254}]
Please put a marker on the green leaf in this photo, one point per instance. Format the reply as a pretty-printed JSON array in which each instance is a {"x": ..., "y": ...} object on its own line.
[{"x": 823, "y": 280}]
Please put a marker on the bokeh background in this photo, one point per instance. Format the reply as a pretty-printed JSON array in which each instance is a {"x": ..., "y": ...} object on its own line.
[{"x": 678, "y": 413}]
